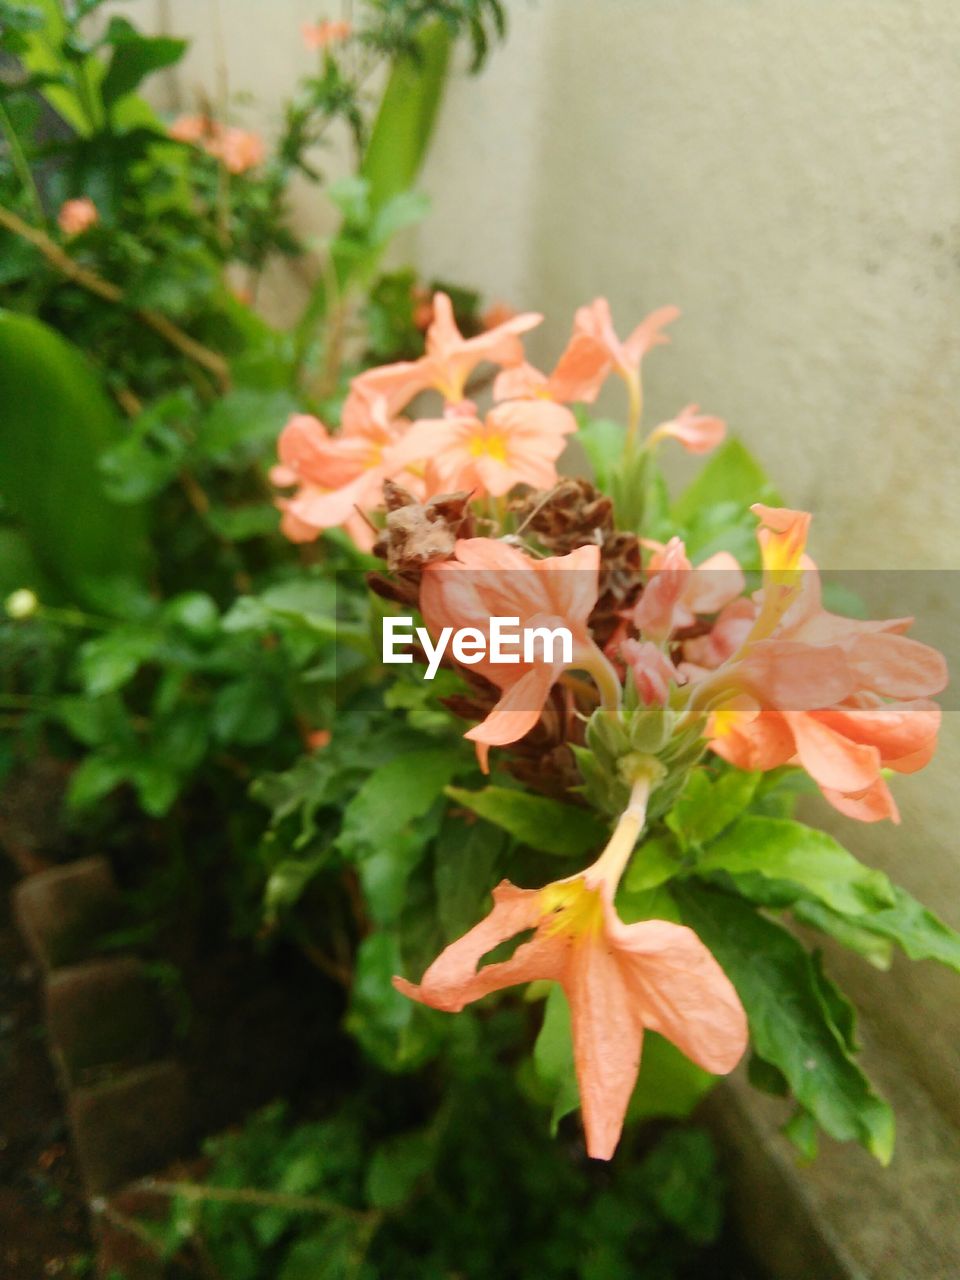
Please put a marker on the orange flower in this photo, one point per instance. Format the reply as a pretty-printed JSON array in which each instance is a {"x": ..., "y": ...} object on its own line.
[
  {"x": 618, "y": 980},
  {"x": 450, "y": 358},
  {"x": 697, "y": 432},
  {"x": 516, "y": 443},
  {"x": 77, "y": 216},
  {"x": 488, "y": 579},
  {"x": 338, "y": 477},
  {"x": 322, "y": 34},
  {"x": 806, "y": 686},
  {"x": 237, "y": 149},
  {"x": 596, "y": 322},
  {"x": 653, "y": 672},
  {"x": 675, "y": 592}
]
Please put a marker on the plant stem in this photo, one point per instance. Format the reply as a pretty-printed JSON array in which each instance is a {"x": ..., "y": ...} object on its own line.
[
  {"x": 612, "y": 862},
  {"x": 21, "y": 164},
  {"x": 109, "y": 292},
  {"x": 255, "y": 1197}
]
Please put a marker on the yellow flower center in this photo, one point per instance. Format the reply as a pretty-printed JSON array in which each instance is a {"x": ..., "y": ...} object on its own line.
[
  {"x": 576, "y": 909},
  {"x": 492, "y": 444}
]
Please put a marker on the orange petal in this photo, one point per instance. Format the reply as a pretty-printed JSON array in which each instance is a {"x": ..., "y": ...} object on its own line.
[
  {"x": 453, "y": 980},
  {"x": 607, "y": 1039},
  {"x": 831, "y": 759},
  {"x": 682, "y": 993},
  {"x": 897, "y": 666}
]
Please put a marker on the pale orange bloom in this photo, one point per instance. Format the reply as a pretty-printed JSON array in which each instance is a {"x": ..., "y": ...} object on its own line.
[
  {"x": 77, "y": 216},
  {"x": 808, "y": 687},
  {"x": 191, "y": 128},
  {"x": 675, "y": 593},
  {"x": 449, "y": 360},
  {"x": 619, "y": 980},
  {"x": 596, "y": 322},
  {"x": 517, "y": 443},
  {"x": 697, "y": 432},
  {"x": 237, "y": 149},
  {"x": 322, "y": 34},
  {"x": 338, "y": 476},
  {"x": 653, "y": 672},
  {"x": 490, "y": 579},
  {"x": 317, "y": 739}
]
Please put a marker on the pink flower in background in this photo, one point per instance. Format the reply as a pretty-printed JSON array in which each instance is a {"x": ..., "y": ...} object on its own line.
[
  {"x": 619, "y": 980},
  {"x": 238, "y": 150},
  {"x": 191, "y": 128},
  {"x": 697, "y": 432},
  {"x": 321, "y": 35},
  {"x": 450, "y": 358},
  {"x": 77, "y": 216},
  {"x": 517, "y": 443}
]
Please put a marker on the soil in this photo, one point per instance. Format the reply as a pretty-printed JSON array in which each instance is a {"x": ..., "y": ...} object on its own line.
[{"x": 43, "y": 1217}]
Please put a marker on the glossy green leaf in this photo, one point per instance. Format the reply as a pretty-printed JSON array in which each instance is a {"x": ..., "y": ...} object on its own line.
[
  {"x": 791, "y": 1023},
  {"x": 55, "y": 421},
  {"x": 135, "y": 57},
  {"x": 708, "y": 805},
  {"x": 731, "y": 474},
  {"x": 464, "y": 872},
  {"x": 777, "y": 860},
  {"x": 541, "y": 823}
]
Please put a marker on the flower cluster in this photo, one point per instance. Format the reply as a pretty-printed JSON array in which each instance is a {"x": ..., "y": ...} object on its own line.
[
  {"x": 236, "y": 149},
  {"x": 518, "y": 440},
  {"x": 680, "y": 660}
]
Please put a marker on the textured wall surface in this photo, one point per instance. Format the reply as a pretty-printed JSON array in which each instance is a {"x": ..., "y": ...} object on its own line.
[{"x": 788, "y": 172}]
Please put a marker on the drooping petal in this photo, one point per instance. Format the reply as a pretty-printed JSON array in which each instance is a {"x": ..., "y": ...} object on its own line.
[
  {"x": 454, "y": 980},
  {"x": 649, "y": 334},
  {"x": 793, "y": 677},
  {"x": 607, "y": 1040},
  {"x": 832, "y": 760},
  {"x": 897, "y": 666},
  {"x": 872, "y": 805},
  {"x": 519, "y": 708},
  {"x": 681, "y": 992},
  {"x": 697, "y": 432},
  {"x": 581, "y": 370}
]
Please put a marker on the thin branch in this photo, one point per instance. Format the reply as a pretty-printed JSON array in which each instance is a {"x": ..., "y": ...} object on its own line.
[
  {"x": 254, "y": 1197},
  {"x": 110, "y": 292}
]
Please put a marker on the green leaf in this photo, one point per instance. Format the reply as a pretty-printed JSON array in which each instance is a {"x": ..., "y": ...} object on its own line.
[
  {"x": 395, "y": 1031},
  {"x": 603, "y": 442},
  {"x": 656, "y": 860},
  {"x": 242, "y": 423},
  {"x": 134, "y": 58},
  {"x": 681, "y": 1175},
  {"x": 55, "y": 420},
  {"x": 404, "y": 123},
  {"x": 669, "y": 1084},
  {"x": 112, "y": 660},
  {"x": 917, "y": 931},
  {"x": 95, "y": 777},
  {"x": 541, "y": 823},
  {"x": 390, "y": 821},
  {"x": 465, "y": 860},
  {"x": 246, "y": 711},
  {"x": 877, "y": 950},
  {"x": 706, "y": 807},
  {"x": 397, "y": 1168},
  {"x": 777, "y": 861},
  {"x": 731, "y": 475},
  {"x": 553, "y": 1057},
  {"x": 790, "y": 1017}
]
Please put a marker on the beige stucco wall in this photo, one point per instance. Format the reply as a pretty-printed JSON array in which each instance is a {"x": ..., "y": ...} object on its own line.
[{"x": 788, "y": 172}]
